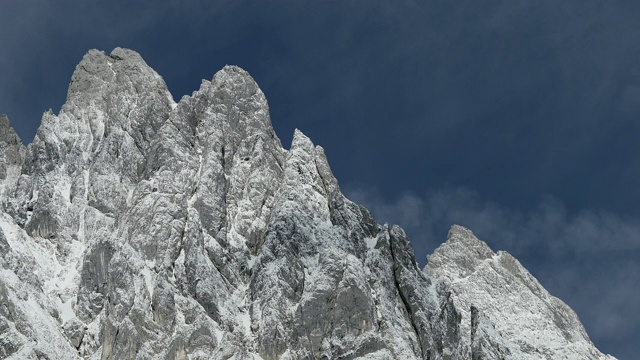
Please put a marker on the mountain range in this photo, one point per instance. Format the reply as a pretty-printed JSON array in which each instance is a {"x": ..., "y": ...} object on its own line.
[{"x": 134, "y": 227}]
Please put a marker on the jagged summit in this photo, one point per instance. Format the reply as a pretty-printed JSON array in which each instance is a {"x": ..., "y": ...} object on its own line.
[
  {"x": 135, "y": 227},
  {"x": 8, "y": 136},
  {"x": 460, "y": 254},
  {"x": 11, "y": 155}
]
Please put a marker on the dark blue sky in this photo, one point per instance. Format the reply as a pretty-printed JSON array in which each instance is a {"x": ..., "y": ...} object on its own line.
[{"x": 518, "y": 119}]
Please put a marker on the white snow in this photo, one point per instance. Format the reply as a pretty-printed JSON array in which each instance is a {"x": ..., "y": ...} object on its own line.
[
  {"x": 218, "y": 334},
  {"x": 371, "y": 242},
  {"x": 245, "y": 319},
  {"x": 149, "y": 276},
  {"x": 63, "y": 187},
  {"x": 252, "y": 261},
  {"x": 65, "y": 310}
]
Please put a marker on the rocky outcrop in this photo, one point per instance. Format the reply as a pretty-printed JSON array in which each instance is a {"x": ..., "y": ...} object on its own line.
[
  {"x": 504, "y": 309},
  {"x": 137, "y": 227}
]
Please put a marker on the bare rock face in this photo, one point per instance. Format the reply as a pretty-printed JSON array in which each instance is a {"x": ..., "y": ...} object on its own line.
[{"x": 135, "y": 227}]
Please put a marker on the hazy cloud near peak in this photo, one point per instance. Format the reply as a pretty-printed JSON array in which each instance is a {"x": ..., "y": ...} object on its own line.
[
  {"x": 548, "y": 225},
  {"x": 601, "y": 284}
]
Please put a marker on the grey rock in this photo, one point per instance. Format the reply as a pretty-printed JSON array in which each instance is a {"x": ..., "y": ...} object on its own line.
[
  {"x": 74, "y": 330},
  {"x": 486, "y": 341},
  {"x": 142, "y": 228},
  {"x": 92, "y": 289}
]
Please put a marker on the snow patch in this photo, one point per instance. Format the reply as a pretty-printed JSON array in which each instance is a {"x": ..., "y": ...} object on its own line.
[
  {"x": 371, "y": 242},
  {"x": 218, "y": 334},
  {"x": 148, "y": 276},
  {"x": 252, "y": 261},
  {"x": 65, "y": 310},
  {"x": 63, "y": 187},
  {"x": 244, "y": 319}
]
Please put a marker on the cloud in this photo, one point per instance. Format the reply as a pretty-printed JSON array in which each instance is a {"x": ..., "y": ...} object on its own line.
[
  {"x": 587, "y": 258},
  {"x": 549, "y": 225}
]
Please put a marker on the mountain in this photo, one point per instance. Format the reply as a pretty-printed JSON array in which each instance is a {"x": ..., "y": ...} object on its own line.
[{"x": 135, "y": 227}]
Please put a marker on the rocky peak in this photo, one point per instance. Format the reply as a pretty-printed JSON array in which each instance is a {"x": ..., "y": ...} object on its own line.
[
  {"x": 460, "y": 254},
  {"x": 496, "y": 295},
  {"x": 11, "y": 155},
  {"x": 8, "y": 136},
  {"x": 232, "y": 106},
  {"x": 11, "y": 148},
  {"x": 303, "y": 186},
  {"x": 120, "y": 95},
  {"x": 123, "y": 68}
]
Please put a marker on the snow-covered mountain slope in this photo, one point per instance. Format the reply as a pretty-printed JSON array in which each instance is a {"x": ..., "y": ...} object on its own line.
[{"x": 135, "y": 227}]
